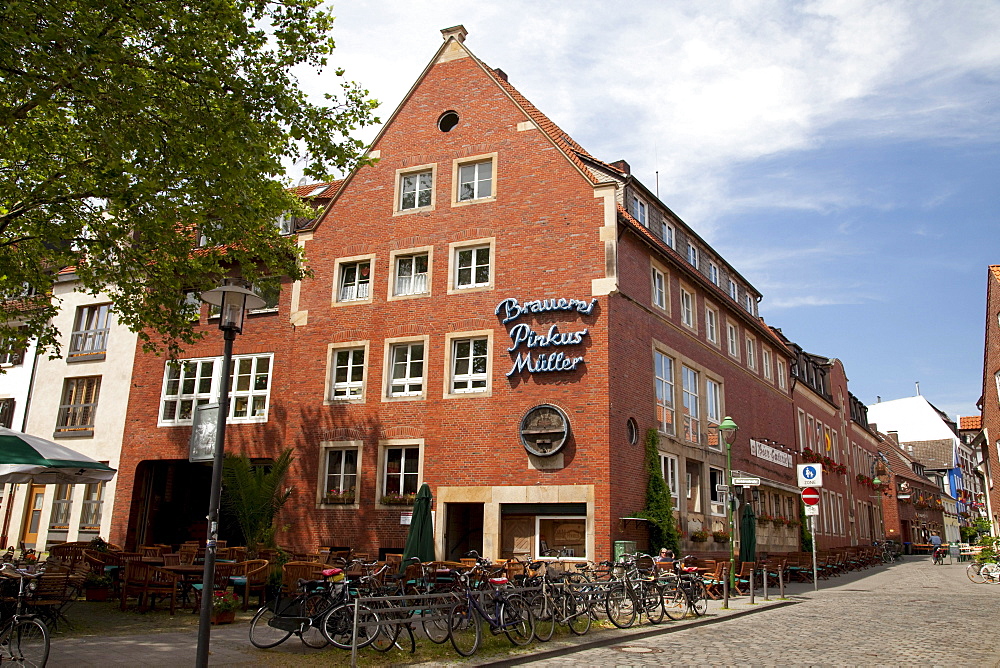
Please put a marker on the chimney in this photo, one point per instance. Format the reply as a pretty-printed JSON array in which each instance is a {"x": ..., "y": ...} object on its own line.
[
  {"x": 623, "y": 166},
  {"x": 500, "y": 73},
  {"x": 458, "y": 32}
]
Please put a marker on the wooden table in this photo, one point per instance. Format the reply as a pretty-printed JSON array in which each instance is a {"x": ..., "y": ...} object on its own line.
[{"x": 191, "y": 574}]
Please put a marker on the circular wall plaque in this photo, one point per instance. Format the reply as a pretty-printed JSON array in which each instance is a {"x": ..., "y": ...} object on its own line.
[{"x": 544, "y": 430}]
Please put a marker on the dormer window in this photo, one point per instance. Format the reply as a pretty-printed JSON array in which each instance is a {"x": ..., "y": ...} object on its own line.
[
  {"x": 285, "y": 224},
  {"x": 693, "y": 255},
  {"x": 639, "y": 210}
]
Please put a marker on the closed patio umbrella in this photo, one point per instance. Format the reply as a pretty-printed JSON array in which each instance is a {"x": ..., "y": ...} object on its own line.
[
  {"x": 420, "y": 539},
  {"x": 748, "y": 534},
  {"x": 29, "y": 459}
]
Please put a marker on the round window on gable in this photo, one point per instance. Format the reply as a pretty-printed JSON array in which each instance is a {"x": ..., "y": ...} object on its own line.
[
  {"x": 632, "y": 431},
  {"x": 448, "y": 120}
]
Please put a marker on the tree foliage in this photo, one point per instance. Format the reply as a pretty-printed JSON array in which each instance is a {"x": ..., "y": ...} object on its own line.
[
  {"x": 659, "y": 508},
  {"x": 127, "y": 127},
  {"x": 254, "y": 495}
]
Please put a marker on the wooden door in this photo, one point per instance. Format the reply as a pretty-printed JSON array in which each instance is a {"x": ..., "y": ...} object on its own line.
[{"x": 33, "y": 519}]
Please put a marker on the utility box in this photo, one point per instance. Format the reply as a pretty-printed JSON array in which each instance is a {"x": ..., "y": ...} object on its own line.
[{"x": 623, "y": 547}]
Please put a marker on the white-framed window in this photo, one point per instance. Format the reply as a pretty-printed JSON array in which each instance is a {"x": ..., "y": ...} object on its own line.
[
  {"x": 782, "y": 374},
  {"x": 668, "y": 234},
  {"x": 733, "y": 290},
  {"x": 659, "y": 289},
  {"x": 692, "y": 255},
  {"x": 347, "y": 372},
  {"x": 692, "y": 419},
  {"x": 406, "y": 369},
  {"x": 470, "y": 366},
  {"x": 716, "y": 477},
  {"x": 732, "y": 340},
  {"x": 11, "y": 353},
  {"x": 411, "y": 274},
  {"x": 712, "y": 325},
  {"x": 416, "y": 190},
  {"x": 190, "y": 383},
  {"x": 748, "y": 299},
  {"x": 638, "y": 210},
  {"x": 765, "y": 362},
  {"x": 340, "y": 466},
  {"x": 713, "y": 272},
  {"x": 687, "y": 308},
  {"x": 474, "y": 180},
  {"x": 473, "y": 266},
  {"x": 663, "y": 369},
  {"x": 78, "y": 408},
  {"x": 668, "y": 466},
  {"x": 92, "y": 505},
  {"x": 562, "y": 536},
  {"x": 90, "y": 332},
  {"x": 713, "y": 404},
  {"x": 688, "y": 484},
  {"x": 751, "y": 353},
  {"x": 354, "y": 280},
  {"x": 400, "y": 471}
]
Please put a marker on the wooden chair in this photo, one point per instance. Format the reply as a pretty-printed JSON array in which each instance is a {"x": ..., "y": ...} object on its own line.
[
  {"x": 188, "y": 553},
  {"x": 147, "y": 582},
  {"x": 294, "y": 571},
  {"x": 715, "y": 580},
  {"x": 221, "y": 581},
  {"x": 54, "y": 590},
  {"x": 115, "y": 563},
  {"x": 171, "y": 559},
  {"x": 394, "y": 562},
  {"x": 744, "y": 580},
  {"x": 251, "y": 576},
  {"x": 238, "y": 554},
  {"x": 151, "y": 551}
]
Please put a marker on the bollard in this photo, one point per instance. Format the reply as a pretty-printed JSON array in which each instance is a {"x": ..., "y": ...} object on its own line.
[
  {"x": 763, "y": 573},
  {"x": 753, "y": 582},
  {"x": 781, "y": 581},
  {"x": 725, "y": 589}
]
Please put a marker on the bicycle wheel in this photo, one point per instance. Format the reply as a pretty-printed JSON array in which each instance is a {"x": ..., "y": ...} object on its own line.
[
  {"x": 313, "y": 607},
  {"x": 543, "y": 608},
  {"x": 338, "y": 626},
  {"x": 991, "y": 573},
  {"x": 975, "y": 573},
  {"x": 675, "y": 602},
  {"x": 579, "y": 614},
  {"x": 465, "y": 629},
  {"x": 434, "y": 621},
  {"x": 517, "y": 621},
  {"x": 387, "y": 636},
  {"x": 27, "y": 643},
  {"x": 620, "y": 607},
  {"x": 262, "y": 634},
  {"x": 652, "y": 602},
  {"x": 699, "y": 598}
]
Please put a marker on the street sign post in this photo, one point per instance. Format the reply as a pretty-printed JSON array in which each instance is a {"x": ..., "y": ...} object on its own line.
[
  {"x": 746, "y": 482},
  {"x": 810, "y": 496},
  {"x": 811, "y": 510},
  {"x": 810, "y": 475}
]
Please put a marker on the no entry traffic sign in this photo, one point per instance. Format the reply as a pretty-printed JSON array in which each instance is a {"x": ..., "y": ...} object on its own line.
[{"x": 810, "y": 496}]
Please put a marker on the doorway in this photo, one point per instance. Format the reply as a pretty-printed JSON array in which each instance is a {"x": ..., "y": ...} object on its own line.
[
  {"x": 464, "y": 530},
  {"x": 33, "y": 519}
]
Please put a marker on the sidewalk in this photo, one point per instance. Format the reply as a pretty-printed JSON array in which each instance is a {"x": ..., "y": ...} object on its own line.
[{"x": 230, "y": 645}]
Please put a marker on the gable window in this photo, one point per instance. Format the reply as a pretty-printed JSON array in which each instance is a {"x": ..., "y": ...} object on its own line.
[
  {"x": 355, "y": 281},
  {"x": 712, "y": 325},
  {"x": 411, "y": 274},
  {"x": 470, "y": 365},
  {"x": 348, "y": 380},
  {"x": 668, "y": 467},
  {"x": 285, "y": 224},
  {"x": 190, "y": 383},
  {"x": 693, "y": 255},
  {"x": 713, "y": 272},
  {"x": 341, "y": 475},
  {"x": 692, "y": 423},
  {"x": 407, "y": 370},
  {"x": 79, "y": 404},
  {"x": 416, "y": 190},
  {"x": 472, "y": 267},
  {"x": 475, "y": 181},
  {"x": 734, "y": 346},
  {"x": 639, "y": 210},
  {"x": 401, "y": 471},
  {"x": 663, "y": 369},
  {"x": 687, "y": 308},
  {"x": 90, "y": 332},
  {"x": 659, "y": 289}
]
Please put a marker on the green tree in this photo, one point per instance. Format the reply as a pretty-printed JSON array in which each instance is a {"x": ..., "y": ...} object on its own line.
[
  {"x": 659, "y": 508},
  {"x": 254, "y": 495},
  {"x": 129, "y": 127}
]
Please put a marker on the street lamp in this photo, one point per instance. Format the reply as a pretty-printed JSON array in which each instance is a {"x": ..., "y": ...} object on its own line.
[
  {"x": 727, "y": 433},
  {"x": 233, "y": 298}
]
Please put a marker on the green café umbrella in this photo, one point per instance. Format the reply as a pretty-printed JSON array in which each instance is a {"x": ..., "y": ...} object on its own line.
[
  {"x": 748, "y": 534},
  {"x": 29, "y": 459},
  {"x": 420, "y": 539}
]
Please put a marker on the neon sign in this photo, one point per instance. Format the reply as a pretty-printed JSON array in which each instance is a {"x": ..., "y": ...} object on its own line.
[{"x": 522, "y": 335}]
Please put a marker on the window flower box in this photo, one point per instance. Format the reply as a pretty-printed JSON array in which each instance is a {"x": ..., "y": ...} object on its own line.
[
  {"x": 699, "y": 536},
  {"x": 397, "y": 499},
  {"x": 338, "y": 496},
  {"x": 720, "y": 536}
]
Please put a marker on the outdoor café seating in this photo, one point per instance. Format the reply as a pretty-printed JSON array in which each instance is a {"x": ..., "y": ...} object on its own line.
[
  {"x": 146, "y": 583},
  {"x": 251, "y": 576}
]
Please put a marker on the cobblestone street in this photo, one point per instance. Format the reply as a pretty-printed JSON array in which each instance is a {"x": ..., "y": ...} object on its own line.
[{"x": 911, "y": 613}]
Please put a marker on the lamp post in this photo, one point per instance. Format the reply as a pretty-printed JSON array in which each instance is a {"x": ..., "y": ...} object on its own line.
[
  {"x": 233, "y": 298},
  {"x": 727, "y": 432}
]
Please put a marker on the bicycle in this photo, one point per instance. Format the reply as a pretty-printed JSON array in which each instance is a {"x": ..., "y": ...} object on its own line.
[
  {"x": 683, "y": 591},
  {"x": 511, "y": 614},
  {"x": 558, "y": 602},
  {"x": 24, "y": 638},
  {"x": 635, "y": 592},
  {"x": 983, "y": 572},
  {"x": 938, "y": 555}
]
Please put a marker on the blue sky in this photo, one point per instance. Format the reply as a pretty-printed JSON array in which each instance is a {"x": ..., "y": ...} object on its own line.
[{"x": 843, "y": 155}]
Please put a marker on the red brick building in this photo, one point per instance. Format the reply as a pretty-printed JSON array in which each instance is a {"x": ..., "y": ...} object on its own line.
[
  {"x": 497, "y": 313},
  {"x": 988, "y": 442}
]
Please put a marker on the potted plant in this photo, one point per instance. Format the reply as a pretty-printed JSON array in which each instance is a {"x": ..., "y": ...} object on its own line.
[
  {"x": 764, "y": 519},
  {"x": 720, "y": 536},
  {"x": 98, "y": 544},
  {"x": 699, "y": 536},
  {"x": 397, "y": 499},
  {"x": 97, "y": 587},
  {"x": 339, "y": 496},
  {"x": 224, "y": 605}
]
